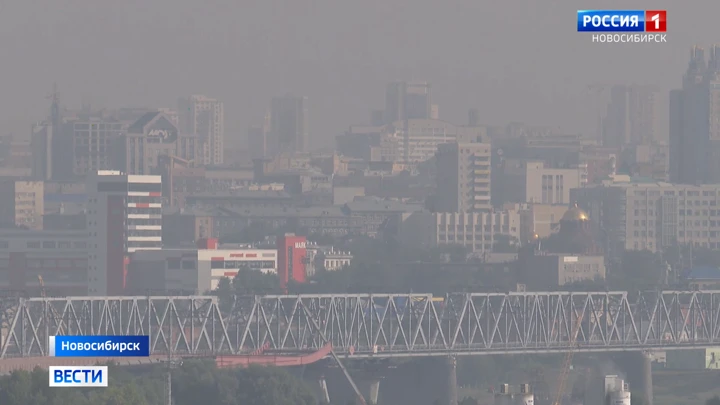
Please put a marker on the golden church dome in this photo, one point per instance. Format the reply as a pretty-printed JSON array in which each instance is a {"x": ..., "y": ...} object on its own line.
[{"x": 575, "y": 214}]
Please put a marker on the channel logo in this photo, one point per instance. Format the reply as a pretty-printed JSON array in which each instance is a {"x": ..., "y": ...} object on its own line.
[
  {"x": 622, "y": 21},
  {"x": 62, "y": 376}
]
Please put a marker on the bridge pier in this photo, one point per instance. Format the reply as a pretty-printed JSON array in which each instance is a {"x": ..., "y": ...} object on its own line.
[
  {"x": 324, "y": 395},
  {"x": 374, "y": 391},
  {"x": 647, "y": 381},
  {"x": 452, "y": 392}
]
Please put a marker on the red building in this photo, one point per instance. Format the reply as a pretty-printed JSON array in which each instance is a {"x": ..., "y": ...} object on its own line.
[{"x": 291, "y": 260}]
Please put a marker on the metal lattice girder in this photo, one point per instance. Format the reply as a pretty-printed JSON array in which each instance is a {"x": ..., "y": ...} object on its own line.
[
  {"x": 182, "y": 325},
  {"x": 388, "y": 325},
  {"x": 380, "y": 325}
]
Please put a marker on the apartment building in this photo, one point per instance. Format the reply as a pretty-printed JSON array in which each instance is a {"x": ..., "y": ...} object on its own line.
[
  {"x": 463, "y": 178},
  {"x": 477, "y": 231},
  {"x": 642, "y": 215}
]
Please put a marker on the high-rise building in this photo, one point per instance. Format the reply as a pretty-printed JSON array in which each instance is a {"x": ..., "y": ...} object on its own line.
[
  {"x": 204, "y": 117},
  {"x": 630, "y": 118},
  {"x": 124, "y": 214},
  {"x": 695, "y": 121},
  {"x": 463, "y": 177},
  {"x": 288, "y": 130},
  {"x": 257, "y": 142},
  {"x": 405, "y": 101}
]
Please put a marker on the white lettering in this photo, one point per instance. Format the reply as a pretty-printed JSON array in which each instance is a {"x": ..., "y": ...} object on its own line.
[
  {"x": 628, "y": 38},
  {"x": 656, "y": 20},
  {"x": 65, "y": 346},
  {"x": 613, "y": 21},
  {"x": 300, "y": 245},
  {"x": 161, "y": 133}
]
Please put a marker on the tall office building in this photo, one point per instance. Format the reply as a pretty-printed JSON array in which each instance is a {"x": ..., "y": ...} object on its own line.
[
  {"x": 288, "y": 130},
  {"x": 463, "y": 177},
  {"x": 204, "y": 117},
  {"x": 124, "y": 214},
  {"x": 630, "y": 118},
  {"x": 405, "y": 101},
  {"x": 695, "y": 121}
]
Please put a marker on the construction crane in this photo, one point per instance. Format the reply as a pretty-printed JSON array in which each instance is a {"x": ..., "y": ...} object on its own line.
[
  {"x": 562, "y": 381},
  {"x": 42, "y": 286}
]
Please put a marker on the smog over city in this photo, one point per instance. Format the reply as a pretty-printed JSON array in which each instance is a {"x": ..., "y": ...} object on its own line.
[{"x": 392, "y": 202}]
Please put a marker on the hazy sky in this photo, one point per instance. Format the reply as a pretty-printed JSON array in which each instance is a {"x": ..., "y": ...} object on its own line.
[{"x": 516, "y": 60}]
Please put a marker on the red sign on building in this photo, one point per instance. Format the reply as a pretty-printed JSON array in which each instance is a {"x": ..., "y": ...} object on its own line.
[{"x": 291, "y": 259}]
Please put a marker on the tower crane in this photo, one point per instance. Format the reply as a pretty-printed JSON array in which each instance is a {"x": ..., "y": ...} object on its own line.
[{"x": 562, "y": 380}]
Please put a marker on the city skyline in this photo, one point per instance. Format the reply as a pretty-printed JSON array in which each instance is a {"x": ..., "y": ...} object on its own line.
[{"x": 552, "y": 94}]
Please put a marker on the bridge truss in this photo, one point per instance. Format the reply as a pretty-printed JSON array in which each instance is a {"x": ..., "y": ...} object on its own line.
[{"x": 378, "y": 325}]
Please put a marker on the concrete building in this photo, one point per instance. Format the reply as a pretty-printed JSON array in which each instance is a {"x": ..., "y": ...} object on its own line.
[
  {"x": 463, "y": 178},
  {"x": 638, "y": 215},
  {"x": 204, "y": 118},
  {"x": 60, "y": 258},
  {"x": 185, "y": 227},
  {"x": 417, "y": 140},
  {"x": 257, "y": 142},
  {"x": 537, "y": 220},
  {"x": 631, "y": 116},
  {"x": 196, "y": 270},
  {"x": 289, "y": 130},
  {"x": 520, "y": 181},
  {"x": 22, "y": 203},
  {"x": 548, "y": 271},
  {"x": 405, "y": 101},
  {"x": 477, "y": 231},
  {"x": 154, "y": 135},
  {"x": 124, "y": 214}
]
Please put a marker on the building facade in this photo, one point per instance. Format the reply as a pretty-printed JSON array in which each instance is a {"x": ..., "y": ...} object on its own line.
[
  {"x": 204, "y": 118},
  {"x": 479, "y": 232},
  {"x": 289, "y": 125},
  {"x": 291, "y": 259},
  {"x": 463, "y": 178},
  {"x": 695, "y": 121},
  {"x": 53, "y": 261},
  {"x": 652, "y": 216},
  {"x": 124, "y": 214},
  {"x": 22, "y": 203},
  {"x": 195, "y": 271}
]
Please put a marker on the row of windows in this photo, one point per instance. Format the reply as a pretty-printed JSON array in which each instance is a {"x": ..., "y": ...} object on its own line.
[
  {"x": 122, "y": 187},
  {"x": 49, "y": 244},
  {"x": 237, "y": 264}
]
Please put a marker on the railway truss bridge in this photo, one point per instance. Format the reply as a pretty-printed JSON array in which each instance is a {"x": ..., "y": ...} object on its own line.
[{"x": 373, "y": 325}]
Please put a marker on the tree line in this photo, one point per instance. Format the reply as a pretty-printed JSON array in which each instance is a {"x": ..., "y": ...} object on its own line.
[{"x": 193, "y": 383}]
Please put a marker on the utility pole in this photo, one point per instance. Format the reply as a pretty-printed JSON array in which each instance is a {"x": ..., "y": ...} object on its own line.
[{"x": 171, "y": 363}]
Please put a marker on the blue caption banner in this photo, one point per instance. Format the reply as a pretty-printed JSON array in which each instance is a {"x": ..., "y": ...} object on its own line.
[{"x": 99, "y": 346}]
